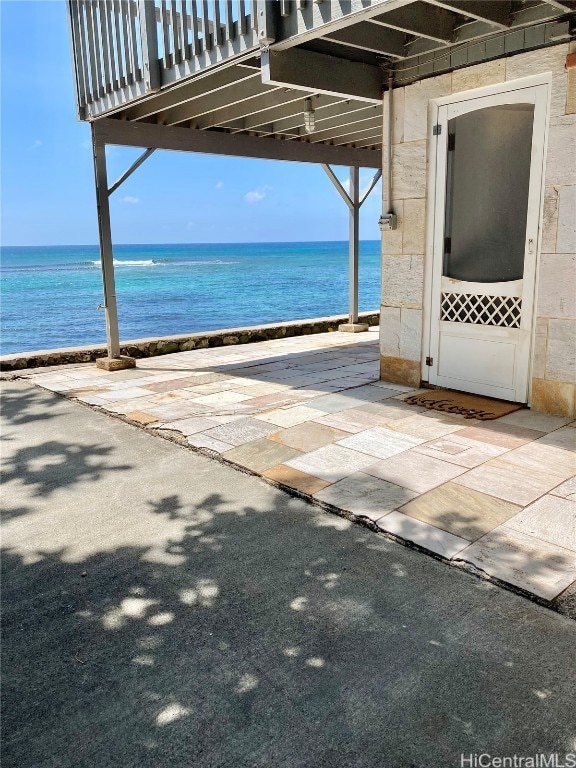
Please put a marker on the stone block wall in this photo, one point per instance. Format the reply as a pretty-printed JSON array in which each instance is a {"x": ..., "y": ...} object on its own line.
[{"x": 403, "y": 250}]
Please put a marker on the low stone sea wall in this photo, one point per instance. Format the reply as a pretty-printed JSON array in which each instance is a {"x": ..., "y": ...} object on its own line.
[{"x": 165, "y": 345}]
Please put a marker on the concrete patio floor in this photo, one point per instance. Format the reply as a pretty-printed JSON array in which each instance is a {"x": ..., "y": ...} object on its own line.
[
  {"x": 309, "y": 414},
  {"x": 161, "y": 609}
]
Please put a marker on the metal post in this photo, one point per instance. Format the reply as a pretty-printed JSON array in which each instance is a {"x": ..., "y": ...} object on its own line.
[
  {"x": 354, "y": 202},
  {"x": 106, "y": 256},
  {"x": 353, "y": 244}
]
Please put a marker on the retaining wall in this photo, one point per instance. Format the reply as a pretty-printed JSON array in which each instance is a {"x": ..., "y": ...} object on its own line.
[{"x": 168, "y": 344}]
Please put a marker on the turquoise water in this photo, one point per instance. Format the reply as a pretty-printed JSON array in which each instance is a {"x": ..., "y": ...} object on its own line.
[{"x": 49, "y": 296}]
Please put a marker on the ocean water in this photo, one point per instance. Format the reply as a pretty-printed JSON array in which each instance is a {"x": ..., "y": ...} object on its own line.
[{"x": 49, "y": 295}]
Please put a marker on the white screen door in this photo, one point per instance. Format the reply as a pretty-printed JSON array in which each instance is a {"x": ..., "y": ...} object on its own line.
[{"x": 486, "y": 221}]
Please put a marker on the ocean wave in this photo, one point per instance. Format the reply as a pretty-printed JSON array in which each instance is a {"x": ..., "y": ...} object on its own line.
[
  {"x": 95, "y": 264},
  {"x": 158, "y": 262}
]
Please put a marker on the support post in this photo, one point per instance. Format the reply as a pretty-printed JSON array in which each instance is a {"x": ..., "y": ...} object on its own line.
[
  {"x": 354, "y": 202},
  {"x": 114, "y": 361},
  {"x": 353, "y": 245},
  {"x": 353, "y": 326}
]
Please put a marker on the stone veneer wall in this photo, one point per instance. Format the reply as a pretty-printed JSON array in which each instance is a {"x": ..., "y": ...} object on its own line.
[
  {"x": 168, "y": 344},
  {"x": 554, "y": 357}
]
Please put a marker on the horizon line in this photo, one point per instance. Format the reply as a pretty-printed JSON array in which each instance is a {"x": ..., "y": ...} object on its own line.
[{"x": 230, "y": 242}]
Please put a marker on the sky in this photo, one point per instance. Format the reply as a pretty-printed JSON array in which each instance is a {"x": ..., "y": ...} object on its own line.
[{"x": 46, "y": 181}]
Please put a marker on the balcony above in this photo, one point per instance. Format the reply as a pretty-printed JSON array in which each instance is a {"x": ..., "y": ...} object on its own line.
[{"x": 259, "y": 68}]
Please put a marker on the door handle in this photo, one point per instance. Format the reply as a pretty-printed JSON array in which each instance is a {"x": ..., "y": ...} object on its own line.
[{"x": 531, "y": 245}]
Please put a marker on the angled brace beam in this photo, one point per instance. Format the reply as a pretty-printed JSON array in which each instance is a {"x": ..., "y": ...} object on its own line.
[
  {"x": 339, "y": 188},
  {"x": 342, "y": 192},
  {"x": 370, "y": 187},
  {"x": 136, "y": 164}
]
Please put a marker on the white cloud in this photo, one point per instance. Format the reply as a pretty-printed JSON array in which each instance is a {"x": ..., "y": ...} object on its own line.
[
  {"x": 35, "y": 144},
  {"x": 256, "y": 195},
  {"x": 219, "y": 184},
  {"x": 131, "y": 200}
]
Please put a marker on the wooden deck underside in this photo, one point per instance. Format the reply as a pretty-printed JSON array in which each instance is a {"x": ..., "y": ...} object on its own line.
[{"x": 254, "y": 69}]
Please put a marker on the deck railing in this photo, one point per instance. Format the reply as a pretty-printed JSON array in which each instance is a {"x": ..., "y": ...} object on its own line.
[{"x": 125, "y": 49}]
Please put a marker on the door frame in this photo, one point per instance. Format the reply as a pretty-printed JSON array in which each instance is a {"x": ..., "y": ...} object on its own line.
[{"x": 544, "y": 79}]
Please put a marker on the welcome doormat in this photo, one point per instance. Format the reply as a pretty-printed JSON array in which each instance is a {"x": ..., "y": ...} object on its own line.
[{"x": 463, "y": 404}]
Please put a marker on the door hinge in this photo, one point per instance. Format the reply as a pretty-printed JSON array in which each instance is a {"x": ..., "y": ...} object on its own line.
[
  {"x": 447, "y": 245},
  {"x": 429, "y": 361},
  {"x": 451, "y": 142},
  {"x": 436, "y": 129}
]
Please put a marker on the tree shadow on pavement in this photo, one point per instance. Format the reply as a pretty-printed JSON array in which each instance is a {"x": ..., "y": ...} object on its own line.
[
  {"x": 22, "y": 406},
  {"x": 54, "y": 464},
  {"x": 217, "y": 633}
]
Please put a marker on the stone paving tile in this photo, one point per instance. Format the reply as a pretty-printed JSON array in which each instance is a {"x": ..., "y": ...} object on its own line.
[
  {"x": 226, "y": 418},
  {"x": 91, "y": 400},
  {"x": 296, "y": 479},
  {"x": 346, "y": 383},
  {"x": 241, "y": 431},
  {"x": 335, "y": 403},
  {"x": 89, "y": 372},
  {"x": 181, "y": 396},
  {"x": 344, "y": 421},
  {"x": 525, "y": 561},
  {"x": 566, "y": 490},
  {"x": 169, "y": 385},
  {"x": 50, "y": 378},
  {"x": 191, "y": 425},
  {"x": 542, "y": 457},
  {"x": 437, "y": 541},
  {"x": 173, "y": 411},
  {"x": 269, "y": 402},
  {"x": 197, "y": 379},
  {"x": 461, "y": 450},
  {"x": 516, "y": 483},
  {"x": 461, "y": 511},
  {"x": 365, "y": 496},
  {"x": 261, "y": 455},
  {"x": 124, "y": 406},
  {"x": 529, "y": 419},
  {"x": 423, "y": 427},
  {"x": 400, "y": 388},
  {"x": 289, "y": 417},
  {"x": 142, "y": 417},
  {"x": 124, "y": 394},
  {"x": 201, "y": 440},
  {"x": 551, "y": 519},
  {"x": 256, "y": 389},
  {"x": 57, "y": 386},
  {"x": 88, "y": 390},
  {"x": 380, "y": 442},
  {"x": 391, "y": 410},
  {"x": 564, "y": 438},
  {"x": 212, "y": 388},
  {"x": 308, "y": 436},
  {"x": 415, "y": 471},
  {"x": 222, "y": 398},
  {"x": 331, "y": 463},
  {"x": 61, "y": 386},
  {"x": 506, "y": 435}
]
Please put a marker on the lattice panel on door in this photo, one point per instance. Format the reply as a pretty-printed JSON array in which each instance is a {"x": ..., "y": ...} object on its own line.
[{"x": 504, "y": 311}]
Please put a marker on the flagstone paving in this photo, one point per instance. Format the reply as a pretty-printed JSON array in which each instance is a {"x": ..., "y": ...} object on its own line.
[{"x": 310, "y": 414}]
